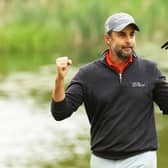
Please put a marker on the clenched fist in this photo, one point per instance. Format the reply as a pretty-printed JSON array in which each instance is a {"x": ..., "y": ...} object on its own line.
[{"x": 62, "y": 64}]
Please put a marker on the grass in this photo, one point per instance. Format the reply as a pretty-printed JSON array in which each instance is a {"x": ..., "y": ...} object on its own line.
[
  {"x": 71, "y": 156},
  {"x": 75, "y": 161},
  {"x": 162, "y": 136}
]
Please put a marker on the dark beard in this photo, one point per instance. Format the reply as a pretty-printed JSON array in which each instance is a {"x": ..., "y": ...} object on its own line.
[{"x": 122, "y": 55}]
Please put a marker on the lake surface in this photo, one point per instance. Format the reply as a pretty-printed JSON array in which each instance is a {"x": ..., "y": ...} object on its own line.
[{"x": 29, "y": 133}]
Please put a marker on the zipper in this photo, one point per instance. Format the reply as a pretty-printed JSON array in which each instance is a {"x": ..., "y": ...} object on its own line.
[{"x": 120, "y": 77}]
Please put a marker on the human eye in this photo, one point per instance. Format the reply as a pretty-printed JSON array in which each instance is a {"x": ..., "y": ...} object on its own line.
[
  {"x": 121, "y": 34},
  {"x": 132, "y": 34}
]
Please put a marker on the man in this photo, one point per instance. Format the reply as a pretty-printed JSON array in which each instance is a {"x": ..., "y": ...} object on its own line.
[{"x": 118, "y": 91}]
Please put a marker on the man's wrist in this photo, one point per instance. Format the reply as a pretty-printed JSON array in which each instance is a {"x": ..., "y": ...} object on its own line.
[{"x": 59, "y": 79}]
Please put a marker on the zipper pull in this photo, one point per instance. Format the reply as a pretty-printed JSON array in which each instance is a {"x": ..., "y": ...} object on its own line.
[{"x": 120, "y": 77}]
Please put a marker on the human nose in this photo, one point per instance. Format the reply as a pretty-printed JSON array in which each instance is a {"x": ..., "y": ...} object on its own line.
[{"x": 129, "y": 39}]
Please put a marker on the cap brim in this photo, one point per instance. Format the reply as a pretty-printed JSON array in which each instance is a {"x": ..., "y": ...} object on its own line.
[{"x": 122, "y": 26}]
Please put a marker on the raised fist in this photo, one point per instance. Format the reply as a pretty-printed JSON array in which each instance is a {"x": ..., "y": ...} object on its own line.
[{"x": 62, "y": 64}]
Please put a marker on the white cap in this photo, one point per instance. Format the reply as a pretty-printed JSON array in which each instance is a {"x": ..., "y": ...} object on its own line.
[{"x": 119, "y": 21}]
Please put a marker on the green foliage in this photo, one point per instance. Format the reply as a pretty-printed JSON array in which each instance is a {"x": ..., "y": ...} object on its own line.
[
  {"x": 74, "y": 161},
  {"x": 70, "y": 156},
  {"x": 35, "y": 32},
  {"x": 162, "y": 126}
]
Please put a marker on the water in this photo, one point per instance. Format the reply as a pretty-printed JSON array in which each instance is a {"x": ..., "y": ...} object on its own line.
[{"x": 29, "y": 134}]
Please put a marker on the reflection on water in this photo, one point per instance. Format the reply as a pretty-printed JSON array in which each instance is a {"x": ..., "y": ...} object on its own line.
[{"x": 29, "y": 134}]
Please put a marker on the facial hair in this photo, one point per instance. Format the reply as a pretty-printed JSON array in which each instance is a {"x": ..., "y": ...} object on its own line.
[{"x": 120, "y": 54}]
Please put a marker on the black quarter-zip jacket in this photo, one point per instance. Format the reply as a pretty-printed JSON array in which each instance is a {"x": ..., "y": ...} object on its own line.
[{"x": 119, "y": 107}]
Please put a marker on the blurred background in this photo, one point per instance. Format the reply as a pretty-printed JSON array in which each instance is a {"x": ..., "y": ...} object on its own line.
[{"x": 32, "y": 35}]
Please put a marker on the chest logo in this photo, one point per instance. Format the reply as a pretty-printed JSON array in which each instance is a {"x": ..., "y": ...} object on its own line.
[{"x": 138, "y": 84}]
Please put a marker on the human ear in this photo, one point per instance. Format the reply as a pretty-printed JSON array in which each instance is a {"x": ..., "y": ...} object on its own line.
[{"x": 107, "y": 39}]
